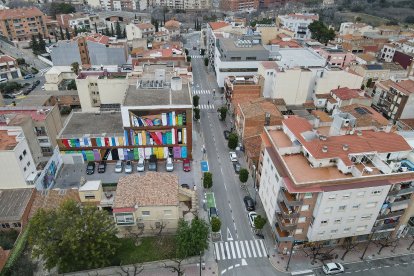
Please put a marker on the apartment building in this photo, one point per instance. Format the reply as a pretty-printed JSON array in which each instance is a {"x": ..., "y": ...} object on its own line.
[
  {"x": 326, "y": 183},
  {"x": 57, "y": 77},
  {"x": 141, "y": 30},
  {"x": 17, "y": 166},
  {"x": 344, "y": 96},
  {"x": 336, "y": 57},
  {"x": 238, "y": 57},
  {"x": 40, "y": 125},
  {"x": 352, "y": 28},
  {"x": 395, "y": 100},
  {"x": 297, "y": 22},
  {"x": 330, "y": 78},
  {"x": 242, "y": 89},
  {"x": 113, "y": 5},
  {"x": 238, "y": 5},
  {"x": 95, "y": 49},
  {"x": 21, "y": 24},
  {"x": 9, "y": 69}
]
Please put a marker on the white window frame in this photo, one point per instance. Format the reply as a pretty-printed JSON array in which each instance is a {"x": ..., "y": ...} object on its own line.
[{"x": 124, "y": 218}]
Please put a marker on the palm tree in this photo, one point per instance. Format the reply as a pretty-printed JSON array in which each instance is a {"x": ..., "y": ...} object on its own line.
[{"x": 75, "y": 67}]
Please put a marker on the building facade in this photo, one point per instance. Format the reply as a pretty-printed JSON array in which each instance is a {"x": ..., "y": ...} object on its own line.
[
  {"x": 298, "y": 23},
  {"x": 9, "y": 69}
]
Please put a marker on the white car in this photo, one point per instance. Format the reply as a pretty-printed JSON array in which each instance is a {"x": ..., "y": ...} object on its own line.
[
  {"x": 169, "y": 166},
  {"x": 128, "y": 167},
  {"x": 118, "y": 166},
  {"x": 43, "y": 87},
  {"x": 332, "y": 268},
  {"x": 252, "y": 216},
  {"x": 233, "y": 156},
  {"x": 141, "y": 165}
]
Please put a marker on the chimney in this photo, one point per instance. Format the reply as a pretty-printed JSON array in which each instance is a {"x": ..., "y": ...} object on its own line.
[
  {"x": 325, "y": 149},
  {"x": 345, "y": 147},
  {"x": 176, "y": 84},
  {"x": 316, "y": 122}
]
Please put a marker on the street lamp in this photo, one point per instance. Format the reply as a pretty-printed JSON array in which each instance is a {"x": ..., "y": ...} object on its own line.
[{"x": 254, "y": 183}]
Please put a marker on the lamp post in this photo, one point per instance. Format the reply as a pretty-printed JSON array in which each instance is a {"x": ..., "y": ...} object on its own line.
[
  {"x": 366, "y": 248},
  {"x": 200, "y": 262},
  {"x": 254, "y": 183},
  {"x": 290, "y": 255}
]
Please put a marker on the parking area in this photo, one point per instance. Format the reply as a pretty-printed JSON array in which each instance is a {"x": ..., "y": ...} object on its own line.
[{"x": 70, "y": 175}]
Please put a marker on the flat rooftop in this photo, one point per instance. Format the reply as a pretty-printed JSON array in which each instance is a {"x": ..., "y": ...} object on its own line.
[
  {"x": 157, "y": 96},
  {"x": 229, "y": 44},
  {"x": 38, "y": 113},
  {"x": 299, "y": 57},
  {"x": 88, "y": 123},
  {"x": 13, "y": 203}
]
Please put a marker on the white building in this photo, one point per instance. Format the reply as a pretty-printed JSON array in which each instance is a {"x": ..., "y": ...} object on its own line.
[
  {"x": 297, "y": 22},
  {"x": 17, "y": 167},
  {"x": 141, "y": 30},
  {"x": 56, "y": 75},
  {"x": 351, "y": 28}
]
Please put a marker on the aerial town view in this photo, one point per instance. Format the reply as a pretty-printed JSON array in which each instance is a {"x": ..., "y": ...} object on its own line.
[{"x": 206, "y": 137}]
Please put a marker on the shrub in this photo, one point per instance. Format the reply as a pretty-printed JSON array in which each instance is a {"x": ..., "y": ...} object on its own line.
[
  {"x": 244, "y": 175},
  {"x": 196, "y": 114},
  {"x": 233, "y": 141},
  {"x": 215, "y": 224},
  {"x": 196, "y": 100},
  {"x": 207, "y": 180}
]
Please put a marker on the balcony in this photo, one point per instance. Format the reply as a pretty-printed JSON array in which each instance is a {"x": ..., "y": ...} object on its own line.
[
  {"x": 402, "y": 190},
  {"x": 385, "y": 227},
  {"x": 391, "y": 215},
  {"x": 287, "y": 212},
  {"x": 285, "y": 224},
  {"x": 281, "y": 235},
  {"x": 290, "y": 199}
]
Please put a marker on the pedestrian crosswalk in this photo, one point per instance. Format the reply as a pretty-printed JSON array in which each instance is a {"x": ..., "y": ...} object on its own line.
[
  {"x": 240, "y": 249},
  {"x": 201, "y": 92},
  {"x": 206, "y": 106},
  {"x": 44, "y": 70},
  {"x": 196, "y": 56}
]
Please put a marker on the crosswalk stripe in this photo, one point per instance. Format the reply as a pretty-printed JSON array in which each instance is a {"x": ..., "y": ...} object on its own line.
[
  {"x": 227, "y": 250},
  {"x": 248, "y": 249},
  {"x": 222, "y": 251},
  {"x": 263, "y": 247},
  {"x": 232, "y": 250},
  {"x": 216, "y": 246},
  {"x": 237, "y": 249},
  {"x": 259, "y": 252},
  {"x": 253, "y": 251},
  {"x": 242, "y": 247}
]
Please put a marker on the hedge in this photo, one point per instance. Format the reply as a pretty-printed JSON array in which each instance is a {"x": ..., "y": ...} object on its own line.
[{"x": 16, "y": 252}]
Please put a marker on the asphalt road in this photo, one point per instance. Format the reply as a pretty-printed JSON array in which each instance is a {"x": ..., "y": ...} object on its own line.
[{"x": 23, "y": 53}]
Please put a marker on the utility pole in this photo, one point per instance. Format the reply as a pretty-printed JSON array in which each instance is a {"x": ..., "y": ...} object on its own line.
[
  {"x": 254, "y": 184},
  {"x": 200, "y": 263},
  {"x": 290, "y": 255},
  {"x": 366, "y": 248}
]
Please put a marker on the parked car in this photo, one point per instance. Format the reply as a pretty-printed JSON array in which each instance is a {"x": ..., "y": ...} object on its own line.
[
  {"x": 212, "y": 212},
  {"x": 28, "y": 76},
  {"x": 37, "y": 82},
  {"x": 226, "y": 134},
  {"x": 237, "y": 167},
  {"x": 27, "y": 91},
  {"x": 102, "y": 167},
  {"x": 152, "y": 164},
  {"x": 119, "y": 166},
  {"x": 249, "y": 203},
  {"x": 233, "y": 156},
  {"x": 90, "y": 168},
  {"x": 128, "y": 167},
  {"x": 141, "y": 165},
  {"x": 332, "y": 268},
  {"x": 43, "y": 87},
  {"x": 186, "y": 186},
  {"x": 252, "y": 216},
  {"x": 186, "y": 165},
  {"x": 169, "y": 165}
]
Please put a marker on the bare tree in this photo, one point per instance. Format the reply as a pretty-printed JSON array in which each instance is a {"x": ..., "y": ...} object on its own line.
[
  {"x": 135, "y": 235},
  {"x": 131, "y": 271},
  {"x": 176, "y": 266},
  {"x": 159, "y": 227},
  {"x": 317, "y": 252},
  {"x": 384, "y": 242},
  {"x": 348, "y": 245}
]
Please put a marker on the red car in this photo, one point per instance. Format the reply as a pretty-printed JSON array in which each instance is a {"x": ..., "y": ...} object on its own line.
[{"x": 186, "y": 165}]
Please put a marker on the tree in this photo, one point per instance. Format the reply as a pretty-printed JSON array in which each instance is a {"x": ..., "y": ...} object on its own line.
[
  {"x": 67, "y": 34},
  {"x": 186, "y": 51},
  {"x": 75, "y": 30},
  {"x": 156, "y": 25},
  {"x": 191, "y": 238},
  {"x": 132, "y": 271},
  {"x": 72, "y": 85},
  {"x": 118, "y": 30},
  {"x": 362, "y": 86},
  {"x": 75, "y": 67},
  {"x": 369, "y": 82},
  {"x": 215, "y": 224},
  {"x": 196, "y": 114},
  {"x": 21, "y": 61},
  {"x": 60, "y": 8},
  {"x": 196, "y": 100},
  {"x": 96, "y": 28},
  {"x": 158, "y": 227},
  {"x": 112, "y": 30},
  {"x": 207, "y": 180},
  {"x": 243, "y": 175},
  {"x": 383, "y": 241},
  {"x": 348, "y": 245},
  {"x": 188, "y": 58},
  {"x": 62, "y": 37},
  {"x": 202, "y": 52},
  {"x": 223, "y": 113},
  {"x": 107, "y": 31},
  {"x": 73, "y": 238},
  {"x": 42, "y": 45},
  {"x": 205, "y": 61},
  {"x": 259, "y": 222},
  {"x": 124, "y": 34},
  {"x": 34, "y": 45},
  {"x": 321, "y": 32},
  {"x": 409, "y": 19},
  {"x": 317, "y": 252},
  {"x": 233, "y": 141}
]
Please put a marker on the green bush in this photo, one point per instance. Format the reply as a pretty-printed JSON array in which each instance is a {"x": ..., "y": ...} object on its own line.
[
  {"x": 196, "y": 114},
  {"x": 223, "y": 113},
  {"x": 207, "y": 180},
  {"x": 215, "y": 224},
  {"x": 188, "y": 59},
  {"x": 16, "y": 252},
  {"x": 243, "y": 175},
  {"x": 7, "y": 239},
  {"x": 196, "y": 100},
  {"x": 233, "y": 141}
]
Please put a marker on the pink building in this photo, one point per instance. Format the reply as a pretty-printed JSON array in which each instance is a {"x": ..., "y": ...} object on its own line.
[{"x": 336, "y": 57}]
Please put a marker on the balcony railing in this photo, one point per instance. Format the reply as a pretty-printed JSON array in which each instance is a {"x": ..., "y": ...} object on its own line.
[
  {"x": 281, "y": 235},
  {"x": 285, "y": 224},
  {"x": 287, "y": 212},
  {"x": 383, "y": 227},
  {"x": 289, "y": 199},
  {"x": 390, "y": 215},
  {"x": 399, "y": 202},
  {"x": 402, "y": 191}
]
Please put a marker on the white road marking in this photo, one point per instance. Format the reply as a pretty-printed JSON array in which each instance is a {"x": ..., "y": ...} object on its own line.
[
  {"x": 259, "y": 253},
  {"x": 216, "y": 247},
  {"x": 248, "y": 249},
  {"x": 237, "y": 249},
  {"x": 242, "y": 248},
  {"x": 232, "y": 250},
  {"x": 227, "y": 250},
  {"x": 223, "y": 271},
  {"x": 405, "y": 263},
  {"x": 253, "y": 251},
  {"x": 236, "y": 265},
  {"x": 384, "y": 267},
  {"x": 263, "y": 247},
  {"x": 222, "y": 251}
]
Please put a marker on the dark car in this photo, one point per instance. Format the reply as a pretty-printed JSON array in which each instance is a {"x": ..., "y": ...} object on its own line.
[
  {"x": 186, "y": 165},
  {"x": 248, "y": 203},
  {"x": 90, "y": 168},
  {"x": 37, "y": 82},
  {"x": 212, "y": 212},
  {"x": 226, "y": 134},
  {"x": 186, "y": 186},
  {"x": 8, "y": 96},
  {"x": 28, "y": 76},
  {"x": 237, "y": 167},
  {"x": 27, "y": 91},
  {"x": 102, "y": 167},
  {"x": 152, "y": 164}
]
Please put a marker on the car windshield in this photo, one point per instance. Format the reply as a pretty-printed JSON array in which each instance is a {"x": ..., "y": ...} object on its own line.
[{"x": 118, "y": 165}]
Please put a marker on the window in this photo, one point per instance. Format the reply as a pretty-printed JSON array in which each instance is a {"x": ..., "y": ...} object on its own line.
[
  {"x": 321, "y": 233},
  {"x": 333, "y": 231},
  {"x": 376, "y": 192},
  {"x": 362, "y": 228},
  {"x": 17, "y": 224},
  {"x": 346, "y": 196},
  {"x": 298, "y": 231},
  {"x": 89, "y": 196},
  {"x": 146, "y": 213},
  {"x": 5, "y": 225},
  {"x": 24, "y": 169},
  {"x": 124, "y": 218},
  {"x": 366, "y": 217},
  {"x": 304, "y": 208},
  {"x": 342, "y": 208},
  {"x": 24, "y": 152},
  {"x": 332, "y": 197},
  {"x": 337, "y": 221},
  {"x": 20, "y": 158},
  {"x": 328, "y": 210},
  {"x": 371, "y": 204},
  {"x": 346, "y": 230},
  {"x": 356, "y": 206},
  {"x": 167, "y": 212},
  {"x": 308, "y": 195},
  {"x": 28, "y": 164},
  {"x": 360, "y": 194},
  {"x": 302, "y": 220},
  {"x": 324, "y": 222}
]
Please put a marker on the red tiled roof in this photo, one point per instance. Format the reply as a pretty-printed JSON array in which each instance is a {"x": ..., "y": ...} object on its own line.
[
  {"x": 218, "y": 25},
  {"x": 20, "y": 13},
  {"x": 6, "y": 58},
  {"x": 98, "y": 38},
  {"x": 345, "y": 93},
  {"x": 172, "y": 24},
  {"x": 269, "y": 64},
  {"x": 406, "y": 86},
  {"x": 145, "y": 26},
  {"x": 285, "y": 44}
]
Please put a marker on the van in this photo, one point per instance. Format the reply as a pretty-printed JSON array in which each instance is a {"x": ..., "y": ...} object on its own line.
[
  {"x": 152, "y": 164},
  {"x": 141, "y": 165},
  {"x": 169, "y": 166}
]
